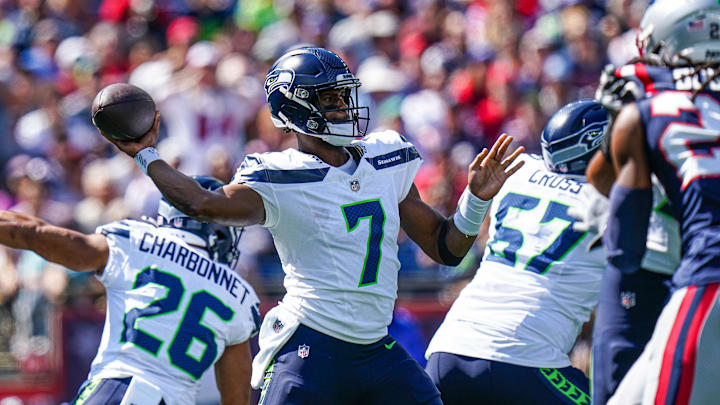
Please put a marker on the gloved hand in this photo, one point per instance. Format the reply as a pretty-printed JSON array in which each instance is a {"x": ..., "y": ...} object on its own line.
[
  {"x": 614, "y": 91},
  {"x": 593, "y": 217}
]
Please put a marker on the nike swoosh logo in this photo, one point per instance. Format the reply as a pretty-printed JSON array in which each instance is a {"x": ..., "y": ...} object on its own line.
[{"x": 390, "y": 345}]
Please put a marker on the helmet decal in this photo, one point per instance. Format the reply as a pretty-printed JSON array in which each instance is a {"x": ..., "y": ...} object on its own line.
[{"x": 278, "y": 79}]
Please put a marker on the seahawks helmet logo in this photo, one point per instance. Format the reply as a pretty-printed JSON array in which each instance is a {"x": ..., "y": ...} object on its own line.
[
  {"x": 594, "y": 136},
  {"x": 277, "y": 79}
]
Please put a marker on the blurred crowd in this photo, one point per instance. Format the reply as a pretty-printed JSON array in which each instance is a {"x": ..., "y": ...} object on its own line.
[{"x": 451, "y": 75}]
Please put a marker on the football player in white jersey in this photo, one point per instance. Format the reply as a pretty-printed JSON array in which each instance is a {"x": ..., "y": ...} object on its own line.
[
  {"x": 507, "y": 336},
  {"x": 335, "y": 207},
  {"x": 175, "y": 306}
]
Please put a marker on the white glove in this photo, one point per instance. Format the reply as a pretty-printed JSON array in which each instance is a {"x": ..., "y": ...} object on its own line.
[
  {"x": 614, "y": 91},
  {"x": 592, "y": 218}
]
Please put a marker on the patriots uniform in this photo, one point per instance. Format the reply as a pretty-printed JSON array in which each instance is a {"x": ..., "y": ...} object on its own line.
[
  {"x": 680, "y": 363},
  {"x": 537, "y": 283},
  {"x": 171, "y": 311},
  {"x": 683, "y": 143},
  {"x": 629, "y": 304}
]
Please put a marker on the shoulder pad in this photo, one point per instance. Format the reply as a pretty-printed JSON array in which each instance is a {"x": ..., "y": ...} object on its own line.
[
  {"x": 289, "y": 166},
  {"x": 387, "y": 149},
  {"x": 119, "y": 228},
  {"x": 382, "y": 142},
  {"x": 650, "y": 79}
]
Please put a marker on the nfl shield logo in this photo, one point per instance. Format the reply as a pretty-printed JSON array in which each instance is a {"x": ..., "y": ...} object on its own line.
[
  {"x": 627, "y": 299},
  {"x": 303, "y": 351},
  {"x": 355, "y": 185},
  {"x": 278, "y": 325}
]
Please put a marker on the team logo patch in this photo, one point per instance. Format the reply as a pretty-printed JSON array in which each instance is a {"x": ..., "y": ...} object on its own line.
[
  {"x": 278, "y": 325},
  {"x": 303, "y": 351},
  {"x": 627, "y": 299},
  {"x": 355, "y": 185}
]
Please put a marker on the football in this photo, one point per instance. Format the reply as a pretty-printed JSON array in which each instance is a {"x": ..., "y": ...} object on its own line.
[{"x": 124, "y": 112}]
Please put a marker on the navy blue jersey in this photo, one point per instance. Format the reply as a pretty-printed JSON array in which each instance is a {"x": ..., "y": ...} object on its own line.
[{"x": 683, "y": 140}]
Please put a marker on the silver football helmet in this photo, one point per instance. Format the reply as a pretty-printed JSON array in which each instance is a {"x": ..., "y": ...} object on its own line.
[{"x": 680, "y": 32}]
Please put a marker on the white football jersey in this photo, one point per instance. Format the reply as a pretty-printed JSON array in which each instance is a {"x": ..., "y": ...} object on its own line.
[
  {"x": 171, "y": 311},
  {"x": 336, "y": 233},
  {"x": 537, "y": 283}
]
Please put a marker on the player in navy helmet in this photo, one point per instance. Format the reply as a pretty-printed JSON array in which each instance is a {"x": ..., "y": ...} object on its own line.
[
  {"x": 572, "y": 135},
  {"x": 507, "y": 337},
  {"x": 219, "y": 240},
  {"x": 175, "y": 306},
  {"x": 311, "y": 91},
  {"x": 674, "y": 136},
  {"x": 334, "y": 207}
]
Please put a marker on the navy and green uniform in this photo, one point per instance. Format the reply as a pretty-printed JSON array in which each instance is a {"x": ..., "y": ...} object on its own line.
[
  {"x": 171, "y": 311},
  {"x": 336, "y": 229},
  {"x": 512, "y": 327}
]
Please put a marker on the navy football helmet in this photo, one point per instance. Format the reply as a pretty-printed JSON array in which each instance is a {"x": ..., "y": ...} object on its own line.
[
  {"x": 572, "y": 135},
  {"x": 292, "y": 88},
  {"x": 220, "y": 241}
]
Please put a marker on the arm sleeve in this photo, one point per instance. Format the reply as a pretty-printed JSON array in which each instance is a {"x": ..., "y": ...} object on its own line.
[{"x": 626, "y": 234}]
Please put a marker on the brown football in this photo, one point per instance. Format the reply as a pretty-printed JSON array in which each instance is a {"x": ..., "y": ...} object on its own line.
[{"x": 123, "y": 111}]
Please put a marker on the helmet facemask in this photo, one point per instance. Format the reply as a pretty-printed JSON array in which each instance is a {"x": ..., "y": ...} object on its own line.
[{"x": 334, "y": 130}]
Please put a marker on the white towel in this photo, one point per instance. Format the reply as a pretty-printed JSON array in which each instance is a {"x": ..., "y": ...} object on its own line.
[{"x": 277, "y": 328}]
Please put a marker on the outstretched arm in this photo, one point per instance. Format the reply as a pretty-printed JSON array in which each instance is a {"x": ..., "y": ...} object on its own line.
[
  {"x": 439, "y": 237},
  {"x": 232, "y": 373},
  {"x": 63, "y": 246},
  {"x": 234, "y": 204},
  {"x": 631, "y": 196}
]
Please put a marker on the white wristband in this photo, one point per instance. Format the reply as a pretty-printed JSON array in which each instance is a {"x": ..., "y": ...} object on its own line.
[
  {"x": 145, "y": 157},
  {"x": 470, "y": 213}
]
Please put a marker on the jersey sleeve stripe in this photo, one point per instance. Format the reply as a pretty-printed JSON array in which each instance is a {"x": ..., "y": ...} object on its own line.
[
  {"x": 283, "y": 176},
  {"x": 394, "y": 158},
  {"x": 123, "y": 232}
]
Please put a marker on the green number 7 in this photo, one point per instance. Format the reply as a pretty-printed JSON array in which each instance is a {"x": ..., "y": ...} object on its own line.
[{"x": 373, "y": 211}]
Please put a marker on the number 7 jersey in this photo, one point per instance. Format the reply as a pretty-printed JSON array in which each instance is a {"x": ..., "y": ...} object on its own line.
[
  {"x": 336, "y": 232},
  {"x": 537, "y": 283},
  {"x": 171, "y": 311}
]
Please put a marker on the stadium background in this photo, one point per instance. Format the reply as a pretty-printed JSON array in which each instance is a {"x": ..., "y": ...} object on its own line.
[{"x": 450, "y": 75}]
